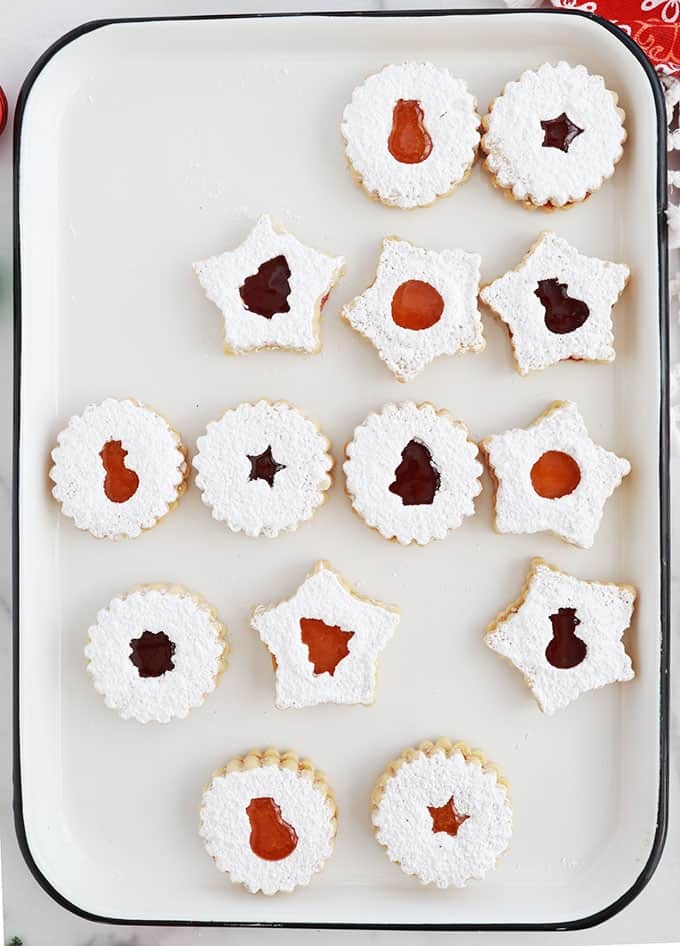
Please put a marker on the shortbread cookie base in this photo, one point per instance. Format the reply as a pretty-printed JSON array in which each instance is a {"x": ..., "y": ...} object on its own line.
[
  {"x": 514, "y": 606},
  {"x": 184, "y": 468},
  {"x": 287, "y": 760},
  {"x": 429, "y": 748},
  {"x": 499, "y": 318},
  {"x": 220, "y": 631}
]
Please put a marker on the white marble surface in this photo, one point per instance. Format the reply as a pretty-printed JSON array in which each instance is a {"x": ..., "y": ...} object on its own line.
[{"x": 27, "y": 27}]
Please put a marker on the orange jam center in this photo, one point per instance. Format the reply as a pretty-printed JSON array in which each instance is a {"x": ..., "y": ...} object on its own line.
[
  {"x": 120, "y": 484},
  {"x": 271, "y": 838},
  {"x": 409, "y": 142},
  {"x": 416, "y": 305},
  {"x": 555, "y": 474},
  {"x": 565, "y": 650},
  {"x": 446, "y": 818},
  {"x": 327, "y": 644}
]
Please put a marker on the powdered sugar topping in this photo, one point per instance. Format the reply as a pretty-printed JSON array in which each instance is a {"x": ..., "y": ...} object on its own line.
[
  {"x": 520, "y": 509},
  {"x": 153, "y": 452},
  {"x": 404, "y": 824},
  {"x": 595, "y": 282},
  {"x": 324, "y": 596},
  {"x": 312, "y": 276},
  {"x": 454, "y": 274},
  {"x": 450, "y": 119},
  {"x": 225, "y": 469},
  {"x": 514, "y": 136},
  {"x": 375, "y": 453},
  {"x": 226, "y": 828},
  {"x": 603, "y": 612},
  {"x": 199, "y": 652}
]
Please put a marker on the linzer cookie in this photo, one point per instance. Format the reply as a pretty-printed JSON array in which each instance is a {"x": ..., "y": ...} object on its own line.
[
  {"x": 156, "y": 653},
  {"x": 263, "y": 468},
  {"x": 422, "y": 304},
  {"x": 269, "y": 820},
  {"x": 554, "y": 136},
  {"x": 325, "y": 641},
  {"x": 270, "y": 290},
  {"x": 118, "y": 468},
  {"x": 552, "y": 477},
  {"x": 412, "y": 472},
  {"x": 411, "y": 134},
  {"x": 557, "y": 304},
  {"x": 564, "y": 634},
  {"x": 443, "y": 813}
]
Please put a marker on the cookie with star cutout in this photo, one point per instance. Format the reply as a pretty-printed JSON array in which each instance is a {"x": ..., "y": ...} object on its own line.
[
  {"x": 325, "y": 641},
  {"x": 551, "y": 477},
  {"x": 422, "y": 304},
  {"x": 553, "y": 137},
  {"x": 263, "y": 468},
  {"x": 412, "y": 472},
  {"x": 557, "y": 305},
  {"x": 411, "y": 134},
  {"x": 564, "y": 635},
  {"x": 442, "y": 812},
  {"x": 268, "y": 819},
  {"x": 156, "y": 653},
  {"x": 270, "y": 290}
]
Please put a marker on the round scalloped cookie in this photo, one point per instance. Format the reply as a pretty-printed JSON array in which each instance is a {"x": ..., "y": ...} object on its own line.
[
  {"x": 553, "y": 136},
  {"x": 118, "y": 468},
  {"x": 156, "y": 652},
  {"x": 412, "y": 473},
  {"x": 269, "y": 820},
  {"x": 442, "y": 812},
  {"x": 263, "y": 468},
  {"x": 411, "y": 134}
]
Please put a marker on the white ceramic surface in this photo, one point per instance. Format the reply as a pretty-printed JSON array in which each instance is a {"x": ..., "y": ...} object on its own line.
[{"x": 123, "y": 195}]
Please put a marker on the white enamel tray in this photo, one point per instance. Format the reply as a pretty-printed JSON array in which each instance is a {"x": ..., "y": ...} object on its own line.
[{"x": 143, "y": 146}]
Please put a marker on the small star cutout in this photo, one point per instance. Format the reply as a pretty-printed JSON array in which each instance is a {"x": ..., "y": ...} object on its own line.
[
  {"x": 557, "y": 304},
  {"x": 422, "y": 304},
  {"x": 264, "y": 466},
  {"x": 524, "y": 632},
  {"x": 325, "y": 641},
  {"x": 560, "y": 132},
  {"x": 270, "y": 290},
  {"x": 446, "y": 818},
  {"x": 556, "y": 445}
]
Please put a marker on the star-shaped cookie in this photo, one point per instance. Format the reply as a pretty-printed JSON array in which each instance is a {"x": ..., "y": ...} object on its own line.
[
  {"x": 557, "y": 304},
  {"x": 270, "y": 290},
  {"x": 422, "y": 304},
  {"x": 564, "y": 634},
  {"x": 552, "y": 477},
  {"x": 325, "y": 641}
]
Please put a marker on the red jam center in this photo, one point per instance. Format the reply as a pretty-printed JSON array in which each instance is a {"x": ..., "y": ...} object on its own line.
[
  {"x": 152, "y": 654},
  {"x": 266, "y": 292},
  {"x": 555, "y": 474},
  {"x": 120, "y": 484},
  {"x": 560, "y": 132},
  {"x": 446, "y": 818},
  {"x": 563, "y": 313},
  {"x": 565, "y": 650},
  {"x": 416, "y": 479},
  {"x": 416, "y": 305},
  {"x": 327, "y": 644},
  {"x": 271, "y": 838},
  {"x": 409, "y": 142}
]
